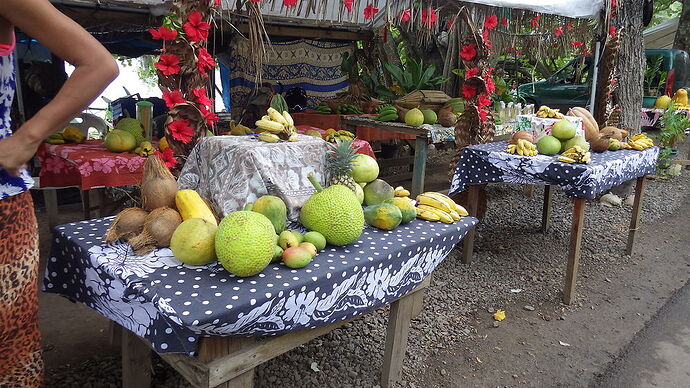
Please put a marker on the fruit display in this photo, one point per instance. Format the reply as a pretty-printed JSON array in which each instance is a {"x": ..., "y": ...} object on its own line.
[
  {"x": 132, "y": 126},
  {"x": 546, "y": 112},
  {"x": 590, "y": 125},
  {"x": 239, "y": 129},
  {"x": 663, "y": 102},
  {"x": 126, "y": 225},
  {"x": 194, "y": 242},
  {"x": 414, "y": 117},
  {"x": 385, "y": 216},
  {"x": 313, "y": 133},
  {"x": 521, "y": 135},
  {"x": 387, "y": 113},
  {"x": 563, "y": 130},
  {"x": 349, "y": 109},
  {"x": 190, "y": 205},
  {"x": 340, "y": 158},
  {"x": 377, "y": 191},
  {"x": 159, "y": 226},
  {"x": 323, "y": 109},
  {"x": 276, "y": 126},
  {"x": 575, "y": 155},
  {"x": 334, "y": 212},
  {"x": 640, "y": 142},
  {"x": 332, "y": 135},
  {"x": 548, "y": 145},
  {"x": 432, "y": 206},
  {"x": 158, "y": 185},
  {"x": 274, "y": 209},
  {"x": 614, "y": 133},
  {"x": 522, "y": 148}
]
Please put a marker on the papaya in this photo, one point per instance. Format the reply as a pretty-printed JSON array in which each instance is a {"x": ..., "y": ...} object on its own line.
[
  {"x": 274, "y": 209},
  {"x": 384, "y": 216},
  {"x": 406, "y": 207}
]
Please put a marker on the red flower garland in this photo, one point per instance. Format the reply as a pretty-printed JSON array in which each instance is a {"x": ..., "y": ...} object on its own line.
[
  {"x": 405, "y": 15},
  {"x": 490, "y": 22},
  {"x": 168, "y": 157},
  {"x": 468, "y": 92},
  {"x": 348, "y": 5},
  {"x": 484, "y": 101},
  {"x": 370, "y": 11},
  {"x": 535, "y": 21},
  {"x": 490, "y": 85},
  {"x": 181, "y": 130},
  {"x": 472, "y": 72},
  {"x": 558, "y": 31},
  {"x": 205, "y": 61},
  {"x": 173, "y": 98},
  {"x": 429, "y": 17},
  {"x": 209, "y": 115},
  {"x": 201, "y": 97},
  {"x": 195, "y": 28},
  {"x": 504, "y": 22},
  {"x": 468, "y": 52},
  {"x": 168, "y": 64},
  {"x": 289, "y": 3},
  {"x": 163, "y": 33}
]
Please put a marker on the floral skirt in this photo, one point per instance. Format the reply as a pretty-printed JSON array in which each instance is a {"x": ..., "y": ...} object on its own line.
[{"x": 21, "y": 364}]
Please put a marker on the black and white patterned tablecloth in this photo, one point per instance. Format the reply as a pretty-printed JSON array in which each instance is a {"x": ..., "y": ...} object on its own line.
[
  {"x": 487, "y": 163},
  {"x": 170, "y": 304}
]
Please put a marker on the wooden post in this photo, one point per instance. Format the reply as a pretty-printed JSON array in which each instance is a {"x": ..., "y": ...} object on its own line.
[
  {"x": 212, "y": 348},
  {"x": 528, "y": 190},
  {"x": 136, "y": 361},
  {"x": 102, "y": 202},
  {"x": 636, "y": 211},
  {"x": 86, "y": 203},
  {"x": 574, "y": 250},
  {"x": 418, "y": 296},
  {"x": 419, "y": 169},
  {"x": 472, "y": 208},
  {"x": 50, "y": 200},
  {"x": 396, "y": 339},
  {"x": 546, "y": 209},
  {"x": 114, "y": 333}
]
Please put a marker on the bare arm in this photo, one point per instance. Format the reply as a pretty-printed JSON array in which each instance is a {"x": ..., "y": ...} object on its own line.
[{"x": 95, "y": 68}]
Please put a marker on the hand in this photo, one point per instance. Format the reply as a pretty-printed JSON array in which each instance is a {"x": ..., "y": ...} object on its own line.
[{"x": 15, "y": 151}]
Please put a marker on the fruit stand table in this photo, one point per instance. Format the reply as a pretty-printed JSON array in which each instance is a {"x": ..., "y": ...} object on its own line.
[
  {"x": 214, "y": 328},
  {"x": 86, "y": 166},
  {"x": 488, "y": 163},
  {"x": 362, "y": 146},
  {"x": 363, "y": 132},
  {"x": 650, "y": 118}
]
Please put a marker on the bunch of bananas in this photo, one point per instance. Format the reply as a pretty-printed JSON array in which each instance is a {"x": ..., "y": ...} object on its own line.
[
  {"x": 545, "y": 111},
  {"x": 239, "y": 129},
  {"x": 145, "y": 149},
  {"x": 323, "y": 109},
  {"x": 401, "y": 192},
  {"x": 575, "y": 155},
  {"x": 69, "y": 135},
  {"x": 433, "y": 206},
  {"x": 332, "y": 135},
  {"x": 349, "y": 109},
  {"x": 276, "y": 127},
  {"x": 387, "y": 113},
  {"x": 56, "y": 138},
  {"x": 640, "y": 142},
  {"x": 522, "y": 148}
]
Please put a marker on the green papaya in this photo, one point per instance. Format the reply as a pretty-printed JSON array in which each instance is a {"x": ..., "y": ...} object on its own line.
[
  {"x": 274, "y": 209},
  {"x": 384, "y": 216},
  {"x": 406, "y": 206}
]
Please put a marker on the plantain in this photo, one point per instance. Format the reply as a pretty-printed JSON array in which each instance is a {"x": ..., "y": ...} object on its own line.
[
  {"x": 427, "y": 215},
  {"x": 434, "y": 202},
  {"x": 444, "y": 217},
  {"x": 268, "y": 137}
]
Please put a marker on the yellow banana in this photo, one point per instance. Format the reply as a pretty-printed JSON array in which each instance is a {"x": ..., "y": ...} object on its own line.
[
  {"x": 277, "y": 117},
  {"x": 268, "y": 137},
  {"x": 443, "y": 198},
  {"x": 565, "y": 159},
  {"x": 433, "y": 201},
  {"x": 427, "y": 215},
  {"x": 271, "y": 126},
  {"x": 293, "y": 137},
  {"x": 461, "y": 210},
  {"x": 454, "y": 215},
  {"x": 288, "y": 118},
  {"x": 401, "y": 192},
  {"x": 445, "y": 217}
]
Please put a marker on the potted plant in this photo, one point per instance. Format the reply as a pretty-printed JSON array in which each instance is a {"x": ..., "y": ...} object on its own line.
[
  {"x": 674, "y": 127},
  {"x": 654, "y": 81}
]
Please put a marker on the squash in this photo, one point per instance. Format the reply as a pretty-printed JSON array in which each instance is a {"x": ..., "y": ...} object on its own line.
[
  {"x": 190, "y": 205},
  {"x": 680, "y": 97},
  {"x": 590, "y": 125}
]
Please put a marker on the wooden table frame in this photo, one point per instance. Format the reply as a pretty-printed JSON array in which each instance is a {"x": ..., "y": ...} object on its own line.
[
  {"x": 230, "y": 361},
  {"x": 576, "y": 229},
  {"x": 351, "y": 123}
]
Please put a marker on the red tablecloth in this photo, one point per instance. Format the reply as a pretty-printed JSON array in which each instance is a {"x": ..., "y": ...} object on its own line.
[
  {"x": 363, "y": 146},
  {"x": 333, "y": 121},
  {"x": 87, "y": 165}
]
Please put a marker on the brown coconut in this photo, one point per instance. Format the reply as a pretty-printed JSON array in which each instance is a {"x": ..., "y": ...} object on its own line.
[
  {"x": 522, "y": 135},
  {"x": 446, "y": 117},
  {"x": 158, "y": 229},
  {"x": 158, "y": 185},
  {"x": 614, "y": 133},
  {"x": 126, "y": 225},
  {"x": 401, "y": 113},
  {"x": 600, "y": 144}
]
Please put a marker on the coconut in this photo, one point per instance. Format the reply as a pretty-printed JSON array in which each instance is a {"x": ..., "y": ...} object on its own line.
[
  {"x": 601, "y": 144},
  {"x": 158, "y": 185},
  {"x": 614, "y": 133},
  {"x": 522, "y": 135},
  {"x": 446, "y": 117},
  {"x": 158, "y": 229},
  {"x": 126, "y": 225}
]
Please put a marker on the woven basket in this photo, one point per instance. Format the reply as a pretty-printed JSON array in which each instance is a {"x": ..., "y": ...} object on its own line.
[{"x": 423, "y": 99}]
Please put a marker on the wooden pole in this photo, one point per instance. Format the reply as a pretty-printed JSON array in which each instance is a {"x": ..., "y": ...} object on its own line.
[
  {"x": 136, "y": 361},
  {"x": 396, "y": 340},
  {"x": 636, "y": 211},
  {"x": 574, "y": 250},
  {"x": 419, "y": 169},
  {"x": 472, "y": 208},
  {"x": 547, "y": 208}
]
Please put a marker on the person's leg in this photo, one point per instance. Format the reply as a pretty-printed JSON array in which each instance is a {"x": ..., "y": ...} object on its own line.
[{"x": 21, "y": 363}]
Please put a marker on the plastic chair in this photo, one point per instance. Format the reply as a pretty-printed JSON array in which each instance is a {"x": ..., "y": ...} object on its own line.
[{"x": 89, "y": 120}]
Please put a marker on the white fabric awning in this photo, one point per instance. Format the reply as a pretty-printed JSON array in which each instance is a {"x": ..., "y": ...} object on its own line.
[{"x": 569, "y": 8}]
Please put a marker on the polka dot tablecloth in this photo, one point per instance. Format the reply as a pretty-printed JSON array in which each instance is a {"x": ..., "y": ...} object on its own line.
[
  {"x": 488, "y": 163},
  {"x": 170, "y": 304}
]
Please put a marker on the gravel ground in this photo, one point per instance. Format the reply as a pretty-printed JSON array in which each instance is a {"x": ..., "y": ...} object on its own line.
[{"x": 510, "y": 253}]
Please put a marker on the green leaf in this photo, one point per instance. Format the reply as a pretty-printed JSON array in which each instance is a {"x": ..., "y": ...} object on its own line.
[{"x": 423, "y": 81}]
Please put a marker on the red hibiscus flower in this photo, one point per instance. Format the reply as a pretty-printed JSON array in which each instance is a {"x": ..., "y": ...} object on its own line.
[
  {"x": 209, "y": 115},
  {"x": 172, "y": 98},
  {"x": 451, "y": 23},
  {"x": 168, "y": 157},
  {"x": 205, "y": 61},
  {"x": 195, "y": 28},
  {"x": 405, "y": 15},
  {"x": 586, "y": 52},
  {"x": 569, "y": 26},
  {"x": 504, "y": 22},
  {"x": 348, "y": 5},
  {"x": 180, "y": 130},
  {"x": 612, "y": 30},
  {"x": 429, "y": 17},
  {"x": 468, "y": 92},
  {"x": 163, "y": 33},
  {"x": 216, "y": 2},
  {"x": 613, "y": 3},
  {"x": 535, "y": 21},
  {"x": 201, "y": 97},
  {"x": 468, "y": 52},
  {"x": 370, "y": 11},
  {"x": 483, "y": 114},
  {"x": 471, "y": 72},
  {"x": 490, "y": 22},
  {"x": 577, "y": 44},
  {"x": 168, "y": 64},
  {"x": 487, "y": 42},
  {"x": 558, "y": 31},
  {"x": 490, "y": 85},
  {"x": 289, "y": 3},
  {"x": 483, "y": 101}
]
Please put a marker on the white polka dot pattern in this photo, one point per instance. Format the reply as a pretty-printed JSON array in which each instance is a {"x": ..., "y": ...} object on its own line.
[
  {"x": 488, "y": 163},
  {"x": 171, "y": 304}
]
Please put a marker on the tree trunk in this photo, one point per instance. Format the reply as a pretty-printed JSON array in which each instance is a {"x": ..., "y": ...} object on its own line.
[
  {"x": 682, "y": 40},
  {"x": 631, "y": 62}
]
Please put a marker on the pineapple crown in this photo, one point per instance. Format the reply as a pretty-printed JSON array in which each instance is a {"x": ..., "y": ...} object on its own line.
[{"x": 340, "y": 157}]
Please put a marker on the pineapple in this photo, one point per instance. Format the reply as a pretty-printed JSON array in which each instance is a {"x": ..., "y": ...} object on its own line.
[{"x": 339, "y": 159}]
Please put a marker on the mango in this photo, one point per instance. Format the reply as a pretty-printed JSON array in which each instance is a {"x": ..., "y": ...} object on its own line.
[
  {"x": 317, "y": 239},
  {"x": 296, "y": 257},
  {"x": 274, "y": 209},
  {"x": 287, "y": 239}
]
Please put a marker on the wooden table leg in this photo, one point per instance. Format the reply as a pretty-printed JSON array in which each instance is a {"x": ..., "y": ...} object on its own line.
[
  {"x": 574, "y": 250},
  {"x": 396, "y": 339},
  {"x": 50, "y": 200},
  {"x": 136, "y": 361},
  {"x": 419, "y": 170},
  {"x": 418, "y": 296},
  {"x": 472, "y": 208},
  {"x": 212, "y": 348},
  {"x": 114, "y": 333},
  {"x": 528, "y": 190},
  {"x": 102, "y": 202},
  {"x": 636, "y": 211},
  {"x": 546, "y": 209},
  {"x": 86, "y": 203}
]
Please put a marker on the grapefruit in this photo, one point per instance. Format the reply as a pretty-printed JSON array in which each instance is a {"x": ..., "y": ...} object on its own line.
[
  {"x": 548, "y": 145},
  {"x": 563, "y": 130}
]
